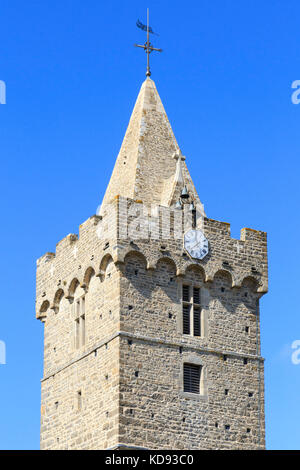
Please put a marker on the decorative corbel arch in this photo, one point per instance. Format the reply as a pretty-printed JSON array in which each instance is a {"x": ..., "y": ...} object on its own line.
[
  {"x": 138, "y": 254},
  {"x": 169, "y": 259},
  {"x": 103, "y": 265},
  {"x": 227, "y": 273},
  {"x": 260, "y": 282},
  {"x": 125, "y": 252},
  {"x": 89, "y": 273},
  {"x": 42, "y": 312},
  {"x": 72, "y": 287},
  {"x": 215, "y": 269},
  {"x": 252, "y": 282},
  {"x": 196, "y": 267},
  {"x": 57, "y": 299}
]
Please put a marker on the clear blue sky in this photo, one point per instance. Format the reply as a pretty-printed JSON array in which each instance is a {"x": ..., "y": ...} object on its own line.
[{"x": 72, "y": 77}]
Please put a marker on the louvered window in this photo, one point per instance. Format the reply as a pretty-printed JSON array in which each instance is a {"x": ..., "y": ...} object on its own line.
[
  {"x": 186, "y": 319},
  {"x": 196, "y": 295},
  {"x": 186, "y": 293},
  {"x": 197, "y": 321},
  {"x": 191, "y": 378},
  {"x": 191, "y": 310}
]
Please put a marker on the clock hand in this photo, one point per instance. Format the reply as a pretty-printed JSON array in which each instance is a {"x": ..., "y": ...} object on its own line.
[{"x": 194, "y": 245}]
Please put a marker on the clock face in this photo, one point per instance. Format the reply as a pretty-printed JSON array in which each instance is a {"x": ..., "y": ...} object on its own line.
[{"x": 196, "y": 244}]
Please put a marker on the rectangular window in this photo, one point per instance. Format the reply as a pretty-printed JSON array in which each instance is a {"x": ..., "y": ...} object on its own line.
[
  {"x": 191, "y": 310},
  {"x": 77, "y": 333},
  {"x": 186, "y": 293},
  {"x": 191, "y": 378},
  {"x": 82, "y": 325},
  {"x": 82, "y": 321},
  {"x": 197, "y": 321},
  {"x": 196, "y": 295},
  {"x": 186, "y": 319}
]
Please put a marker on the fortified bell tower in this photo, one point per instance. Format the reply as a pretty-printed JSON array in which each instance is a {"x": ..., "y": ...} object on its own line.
[{"x": 151, "y": 314}]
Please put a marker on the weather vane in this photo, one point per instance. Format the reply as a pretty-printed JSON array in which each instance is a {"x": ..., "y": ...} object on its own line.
[{"x": 148, "y": 48}]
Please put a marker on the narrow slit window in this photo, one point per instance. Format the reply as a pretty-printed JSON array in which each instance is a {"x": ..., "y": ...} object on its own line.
[
  {"x": 186, "y": 319},
  {"x": 186, "y": 293},
  {"x": 196, "y": 295},
  {"x": 77, "y": 333},
  {"x": 197, "y": 321},
  {"x": 80, "y": 323},
  {"x": 79, "y": 400},
  {"x": 191, "y": 378}
]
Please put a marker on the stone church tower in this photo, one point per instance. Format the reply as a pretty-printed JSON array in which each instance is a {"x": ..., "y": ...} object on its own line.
[{"x": 151, "y": 314}]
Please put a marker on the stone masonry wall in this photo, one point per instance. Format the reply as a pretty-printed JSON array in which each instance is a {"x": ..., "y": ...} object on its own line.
[
  {"x": 133, "y": 321},
  {"x": 96, "y": 424},
  {"x": 156, "y": 412}
]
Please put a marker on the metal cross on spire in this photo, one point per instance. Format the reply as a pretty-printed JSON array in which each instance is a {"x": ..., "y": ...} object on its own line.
[{"x": 148, "y": 48}]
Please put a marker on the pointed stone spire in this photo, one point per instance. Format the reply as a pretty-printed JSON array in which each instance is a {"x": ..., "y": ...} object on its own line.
[{"x": 146, "y": 169}]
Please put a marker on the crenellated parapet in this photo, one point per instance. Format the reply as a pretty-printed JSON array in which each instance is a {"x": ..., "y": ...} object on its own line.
[{"x": 108, "y": 237}]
